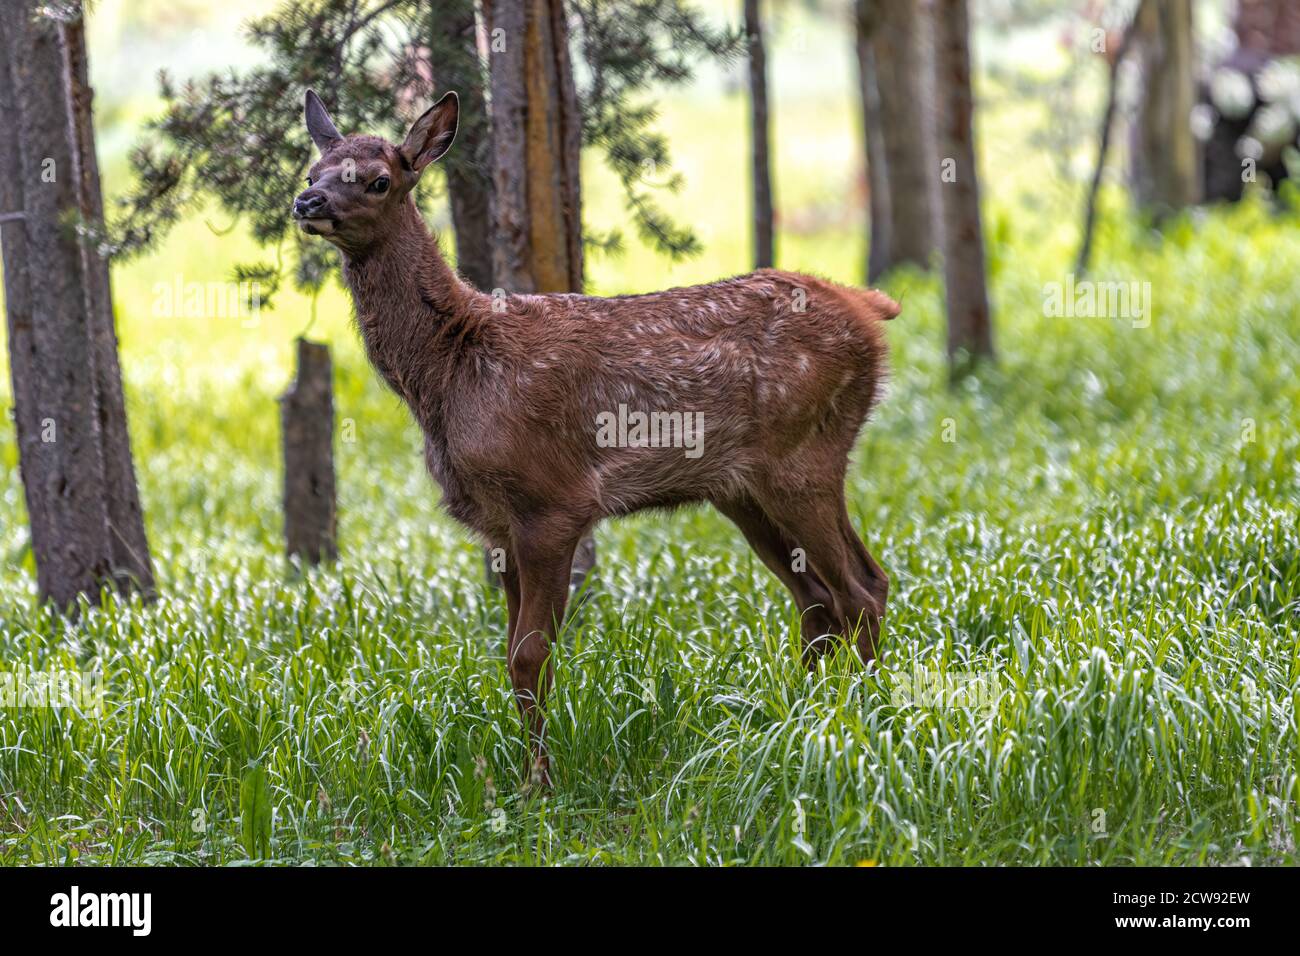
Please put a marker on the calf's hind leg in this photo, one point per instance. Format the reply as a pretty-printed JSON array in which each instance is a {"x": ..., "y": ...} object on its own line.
[
  {"x": 818, "y": 522},
  {"x": 817, "y": 614},
  {"x": 873, "y": 576}
]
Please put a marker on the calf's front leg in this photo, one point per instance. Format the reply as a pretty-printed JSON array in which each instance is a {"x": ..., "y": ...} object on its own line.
[{"x": 543, "y": 550}]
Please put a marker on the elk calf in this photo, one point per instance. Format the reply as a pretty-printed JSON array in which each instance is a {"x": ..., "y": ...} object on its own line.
[{"x": 775, "y": 372}]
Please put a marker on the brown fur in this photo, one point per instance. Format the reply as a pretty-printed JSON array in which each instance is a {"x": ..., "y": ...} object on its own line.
[{"x": 784, "y": 369}]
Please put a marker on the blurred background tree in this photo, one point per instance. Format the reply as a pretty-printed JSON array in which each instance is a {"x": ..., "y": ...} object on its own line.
[
  {"x": 1164, "y": 157},
  {"x": 961, "y": 223},
  {"x": 1249, "y": 102},
  {"x": 760, "y": 135}
]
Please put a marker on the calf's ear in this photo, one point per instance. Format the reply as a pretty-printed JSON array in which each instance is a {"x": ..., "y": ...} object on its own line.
[
  {"x": 319, "y": 125},
  {"x": 432, "y": 134}
]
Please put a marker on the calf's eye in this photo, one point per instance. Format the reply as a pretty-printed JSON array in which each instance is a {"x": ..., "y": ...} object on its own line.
[{"x": 380, "y": 185}]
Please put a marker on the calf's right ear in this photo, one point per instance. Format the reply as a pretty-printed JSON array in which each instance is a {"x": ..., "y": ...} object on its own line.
[{"x": 319, "y": 125}]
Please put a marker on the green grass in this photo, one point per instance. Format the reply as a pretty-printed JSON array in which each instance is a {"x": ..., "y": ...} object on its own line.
[
  {"x": 1091, "y": 652},
  {"x": 1099, "y": 556}
]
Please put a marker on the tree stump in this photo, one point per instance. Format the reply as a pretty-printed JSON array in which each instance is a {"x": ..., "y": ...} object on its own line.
[{"x": 307, "y": 422}]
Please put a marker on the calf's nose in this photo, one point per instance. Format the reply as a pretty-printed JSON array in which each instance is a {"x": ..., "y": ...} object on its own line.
[{"x": 308, "y": 203}]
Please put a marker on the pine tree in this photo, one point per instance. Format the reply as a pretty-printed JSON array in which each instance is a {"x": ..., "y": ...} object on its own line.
[{"x": 374, "y": 64}]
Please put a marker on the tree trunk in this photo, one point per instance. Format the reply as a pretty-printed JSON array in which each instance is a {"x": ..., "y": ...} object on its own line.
[
  {"x": 469, "y": 184},
  {"x": 307, "y": 420},
  {"x": 18, "y": 314},
  {"x": 760, "y": 137},
  {"x": 536, "y": 143},
  {"x": 902, "y": 54},
  {"x": 75, "y": 558},
  {"x": 873, "y": 132},
  {"x": 1166, "y": 171},
  {"x": 1103, "y": 148},
  {"x": 129, "y": 547},
  {"x": 970, "y": 327},
  {"x": 536, "y": 148}
]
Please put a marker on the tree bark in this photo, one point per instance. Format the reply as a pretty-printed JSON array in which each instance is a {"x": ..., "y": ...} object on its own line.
[
  {"x": 536, "y": 144},
  {"x": 307, "y": 421},
  {"x": 18, "y": 314},
  {"x": 902, "y": 54},
  {"x": 1166, "y": 171},
  {"x": 75, "y": 558},
  {"x": 469, "y": 184},
  {"x": 970, "y": 326},
  {"x": 536, "y": 148},
  {"x": 129, "y": 547},
  {"x": 760, "y": 137},
  {"x": 873, "y": 132}
]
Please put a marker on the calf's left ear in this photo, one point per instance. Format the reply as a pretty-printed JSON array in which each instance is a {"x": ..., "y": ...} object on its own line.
[{"x": 431, "y": 135}]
